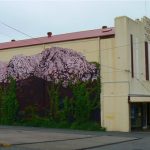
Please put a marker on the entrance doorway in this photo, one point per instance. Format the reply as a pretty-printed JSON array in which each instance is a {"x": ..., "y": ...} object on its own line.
[{"x": 140, "y": 116}]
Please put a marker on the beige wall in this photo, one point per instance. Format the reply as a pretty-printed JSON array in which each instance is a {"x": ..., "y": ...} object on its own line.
[
  {"x": 7, "y": 54},
  {"x": 117, "y": 82},
  {"x": 138, "y": 83},
  {"x": 89, "y": 48}
]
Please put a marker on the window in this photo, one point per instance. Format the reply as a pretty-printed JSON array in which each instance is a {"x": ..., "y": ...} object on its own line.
[
  {"x": 132, "y": 60},
  {"x": 146, "y": 61}
]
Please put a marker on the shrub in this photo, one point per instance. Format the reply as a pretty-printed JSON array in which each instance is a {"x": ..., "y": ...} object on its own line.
[
  {"x": 67, "y": 112},
  {"x": 91, "y": 126},
  {"x": 53, "y": 91},
  {"x": 81, "y": 98},
  {"x": 9, "y": 103}
]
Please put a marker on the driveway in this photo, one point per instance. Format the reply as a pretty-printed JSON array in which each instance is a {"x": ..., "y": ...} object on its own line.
[{"x": 28, "y": 138}]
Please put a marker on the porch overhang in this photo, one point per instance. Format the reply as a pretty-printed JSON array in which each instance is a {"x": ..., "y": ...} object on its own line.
[{"x": 138, "y": 98}]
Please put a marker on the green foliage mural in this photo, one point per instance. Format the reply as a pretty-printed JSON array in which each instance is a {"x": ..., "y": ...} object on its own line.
[
  {"x": 9, "y": 103},
  {"x": 73, "y": 109},
  {"x": 56, "y": 88}
]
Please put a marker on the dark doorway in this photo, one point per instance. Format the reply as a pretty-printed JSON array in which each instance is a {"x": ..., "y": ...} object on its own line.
[{"x": 140, "y": 116}]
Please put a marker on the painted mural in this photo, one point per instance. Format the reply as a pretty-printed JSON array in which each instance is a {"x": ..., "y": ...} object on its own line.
[
  {"x": 55, "y": 86},
  {"x": 53, "y": 64}
]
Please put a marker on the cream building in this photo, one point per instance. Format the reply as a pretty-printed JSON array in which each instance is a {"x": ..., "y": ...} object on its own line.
[{"x": 124, "y": 56}]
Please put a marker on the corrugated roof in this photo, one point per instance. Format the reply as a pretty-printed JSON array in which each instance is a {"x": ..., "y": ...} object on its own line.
[{"x": 59, "y": 38}]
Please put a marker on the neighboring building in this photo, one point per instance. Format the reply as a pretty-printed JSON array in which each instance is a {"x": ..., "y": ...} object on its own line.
[{"x": 124, "y": 56}]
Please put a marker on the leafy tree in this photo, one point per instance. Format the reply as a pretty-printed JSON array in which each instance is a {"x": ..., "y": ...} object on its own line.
[
  {"x": 53, "y": 92},
  {"x": 9, "y": 103}
]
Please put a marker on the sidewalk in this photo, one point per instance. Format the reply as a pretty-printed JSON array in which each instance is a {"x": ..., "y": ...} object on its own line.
[{"x": 21, "y": 138}]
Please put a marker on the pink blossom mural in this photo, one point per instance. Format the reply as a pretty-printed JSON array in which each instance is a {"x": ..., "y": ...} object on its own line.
[
  {"x": 3, "y": 72},
  {"x": 54, "y": 64}
]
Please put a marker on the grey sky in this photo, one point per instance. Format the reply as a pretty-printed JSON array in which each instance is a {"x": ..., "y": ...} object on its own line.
[{"x": 37, "y": 17}]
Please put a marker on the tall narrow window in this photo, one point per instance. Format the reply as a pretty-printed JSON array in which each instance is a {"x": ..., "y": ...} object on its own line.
[
  {"x": 146, "y": 61},
  {"x": 132, "y": 60},
  {"x": 136, "y": 51}
]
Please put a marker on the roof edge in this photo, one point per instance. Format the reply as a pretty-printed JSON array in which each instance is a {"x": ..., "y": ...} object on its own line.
[{"x": 59, "y": 38}]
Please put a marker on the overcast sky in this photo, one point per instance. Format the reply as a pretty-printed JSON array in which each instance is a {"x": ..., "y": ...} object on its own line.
[{"x": 37, "y": 17}]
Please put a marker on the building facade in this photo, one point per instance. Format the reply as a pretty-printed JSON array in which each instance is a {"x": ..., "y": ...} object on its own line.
[{"x": 123, "y": 52}]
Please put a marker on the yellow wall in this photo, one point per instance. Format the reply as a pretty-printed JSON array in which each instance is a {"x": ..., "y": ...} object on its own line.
[
  {"x": 89, "y": 48},
  {"x": 117, "y": 82},
  {"x": 138, "y": 84},
  {"x": 115, "y": 86}
]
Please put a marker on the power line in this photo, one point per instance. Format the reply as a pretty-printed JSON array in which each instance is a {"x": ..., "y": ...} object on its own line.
[
  {"x": 111, "y": 48},
  {"x": 125, "y": 45},
  {"x": 113, "y": 71},
  {"x": 15, "y": 29},
  {"x": 142, "y": 84},
  {"x": 86, "y": 52},
  {"x": 118, "y": 69},
  {"x": 5, "y": 35},
  {"x": 147, "y": 89},
  {"x": 130, "y": 73},
  {"x": 21, "y": 32},
  {"x": 111, "y": 67}
]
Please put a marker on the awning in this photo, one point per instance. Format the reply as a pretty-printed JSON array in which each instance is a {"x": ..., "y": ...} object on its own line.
[{"x": 139, "y": 98}]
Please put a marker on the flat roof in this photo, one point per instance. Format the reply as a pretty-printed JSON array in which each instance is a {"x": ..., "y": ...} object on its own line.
[{"x": 59, "y": 38}]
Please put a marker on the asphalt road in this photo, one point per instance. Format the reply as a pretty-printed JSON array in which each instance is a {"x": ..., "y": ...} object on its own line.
[{"x": 28, "y": 138}]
